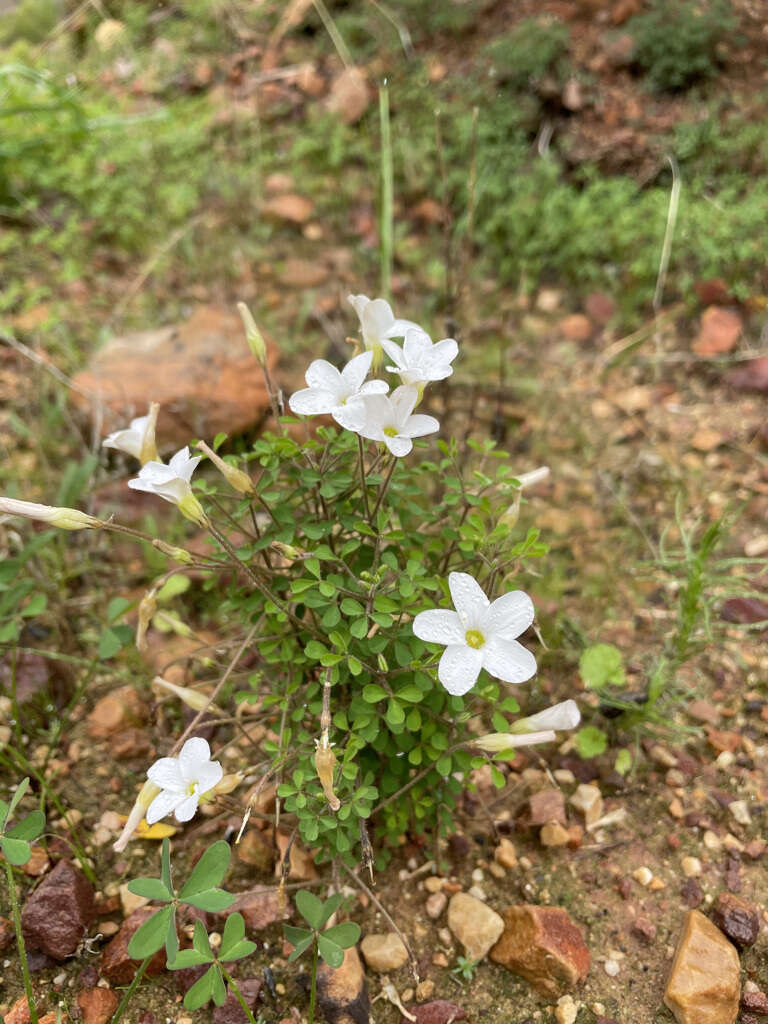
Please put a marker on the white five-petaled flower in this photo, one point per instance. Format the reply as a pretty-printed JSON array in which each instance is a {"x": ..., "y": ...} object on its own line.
[
  {"x": 172, "y": 483},
  {"x": 479, "y": 634},
  {"x": 378, "y": 322},
  {"x": 138, "y": 439},
  {"x": 388, "y": 419},
  {"x": 420, "y": 360},
  {"x": 538, "y": 728},
  {"x": 338, "y": 393},
  {"x": 182, "y": 781}
]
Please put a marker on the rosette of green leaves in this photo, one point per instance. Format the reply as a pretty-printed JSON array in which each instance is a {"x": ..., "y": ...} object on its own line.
[
  {"x": 234, "y": 946},
  {"x": 15, "y": 839},
  {"x": 201, "y": 891},
  {"x": 331, "y": 943}
]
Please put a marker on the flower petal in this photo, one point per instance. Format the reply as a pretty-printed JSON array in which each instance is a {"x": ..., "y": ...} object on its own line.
[
  {"x": 419, "y": 425},
  {"x": 565, "y": 715},
  {"x": 376, "y": 319},
  {"x": 510, "y": 615},
  {"x": 417, "y": 346},
  {"x": 194, "y": 753},
  {"x": 398, "y": 445},
  {"x": 351, "y": 415},
  {"x": 445, "y": 351},
  {"x": 358, "y": 303},
  {"x": 468, "y": 598},
  {"x": 459, "y": 668},
  {"x": 209, "y": 775},
  {"x": 186, "y": 809},
  {"x": 403, "y": 400},
  {"x": 312, "y": 402},
  {"x": 125, "y": 441},
  {"x": 323, "y": 375},
  {"x": 399, "y": 328},
  {"x": 439, "y": 626},
  {"x": 395, "y": 353},
  {"x": 374, "y": 387},
  {"x": 508, "y": 660},
  {"x": 163, "y": 804},
  {"x": 356, "y": 370},
  {"x": 166, "y": 773}
]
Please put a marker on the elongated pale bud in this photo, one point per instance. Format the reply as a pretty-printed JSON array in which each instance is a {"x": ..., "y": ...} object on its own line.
[
  {"x": 192, "y": 698},
  {"x": 147, "y": 608},
  {"x": 148, "y": 451},
  {"x": 253, "y": 335},
  {"x": 63, "y": 518},
  {"x": 227, "y": 784},
  {"x": 495, "y": 742},
  {"x": 191, "y": 508},
  {"x": 288, "y": 550},
  {"x": 565, "y": 715},
  {"x": 236, "y": 478},
  {"x": 146, "y": 795},
  {"x": 325, "y": 762},
  {"x": 535, "y": 476},
  {"x": 177, "y": 554}
]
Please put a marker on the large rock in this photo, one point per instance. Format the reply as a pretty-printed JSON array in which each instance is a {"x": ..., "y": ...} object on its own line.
[
  {"x": 97, "y": 1005},
  {"x": 342, "y": 994},
  {"x": 201, "y": 372},
  {"x": 440, "y": 1011},
  {"x": 384, "y": 952},
  {"x": 544, "y": 946},
  {"x": 59, "y": 913},
  {"x": 474, "y": 924},
  {"x": 704, "y": 984},
  {"x": 260, "y": 908},
  {"x": 751, "y": 376},
  {"x": 719, "y": 332},
  {"x": 119, "y": 710}
]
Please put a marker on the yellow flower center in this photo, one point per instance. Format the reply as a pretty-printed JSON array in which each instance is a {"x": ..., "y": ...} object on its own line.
[
  {"x": 192, "y": 788},
  {"x": 474, "y": 638},
  {"x": 390, "y": 431}
]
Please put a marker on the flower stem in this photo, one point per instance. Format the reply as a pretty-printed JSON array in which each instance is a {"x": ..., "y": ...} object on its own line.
[
  {"x": 313, "y": 986},
  {"x": 363, "y": 486},
  {"x": 131, "y": 989},
  {"x": 20, "y": 944},
  {"x": 237, "y": 994},
  {"x": 384, "y": 486}
]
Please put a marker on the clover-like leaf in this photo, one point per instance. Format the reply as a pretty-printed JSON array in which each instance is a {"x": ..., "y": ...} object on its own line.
[
  {"x": 28, "y": 828},
  {"x": 314, "y": 911},
  {"x": 330, "y": 951},
  {"x": 209, "y": 871},
  {"x": 188, "y": 958},
  {"x": 234, "y": 945},
  {"x": 299, "y": 938},
  {"x": 150, "y": 888},
  {"x": 202, "y": 991},
  {"x": 21, "y": 789},
  {"x": 16, "y": 851},
  {"x": 212, "y": 900},
  {"x": 344, "y": 935},
  {"x": 200, "y": 940},
  {"x": 152, "y": 934}
]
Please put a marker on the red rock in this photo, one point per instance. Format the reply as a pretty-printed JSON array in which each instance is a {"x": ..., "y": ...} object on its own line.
[
  {"x": 115, "y": 964},
  {"x": 751, "y": 376},
  {"x": 722, "y": 739},
  {"x": 737, "y": 919},
  {"x": 201, "y": 372},
  {"x": 429, "y": 212},
  {"x": 755, "y": 1001},
  {"x": 643, "y": 929},
  {"x": 289, "y": 207},
  {"x": 36, "y": 677},
  {"x": 576, "y": 327},
  {"x": 342, "y": 994},
  {"x": 719, "y": 332},
  {"x": 544, "y": 946},
  {"x": 132, "y": 743},
  {"x": 298, "y": 273},
  {"x": 310, "y": 81},
  {"x": 755, "y": 849},
  {"x": 350, "y": 95},
  {"x": 18, "y": 1013},
  {"x": 116, "y": 712},
  {"x": 599, "y": 307},
  {"x": 713, "y": 292},
  {"x": 747, "y": 610},
  {"x": 97, "y": 1004},
  {"x": 546, "y": 807},
  {"x": 231, "y": 1012},
  {"x": 440, "y": 1011},
  {"x": 260, "y": 908},
  {"x": 703, "y": 711},
  {"x": 623, "y": 10},
  {"x": 58, "y": 914}
]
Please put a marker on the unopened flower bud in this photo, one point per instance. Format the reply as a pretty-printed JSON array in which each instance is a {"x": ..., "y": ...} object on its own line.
[
  {"x": 253, "y": 335},
  {"x": 191, "y": 508},
  {"x": 382, "y": 663},
  {"x": 192, "y": 698},
  {"x": 146, "y": 795},
  {"x": 236, "y": 478},
  {"x": 228, "y": 784},
  {"x": 325, "y": 762},
  {"x": 288, "y": 550},
  {"x": 148, "y": 450},
  {"x": 177, "y": 554},
  {"x": 497, "y": 741},
  {"x": 63, "y": 518},
  {"x": 147, "y": 609}
]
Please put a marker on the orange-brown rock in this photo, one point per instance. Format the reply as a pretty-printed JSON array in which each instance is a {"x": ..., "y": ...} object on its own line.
[
  {"x": 201, "y": 372},
  {"x": 302, "y": 863},
  {"x": 342, "y": 994},
  {"x": 97, "y": 1004},
  {"x": 260, "y": 908},
  {"x": 289, "y": 207},
  {"x": 544, "y": 946},
  {"x": 116, "y": 965},
  {"x": 704, "y": 984},
  {"x": 576, "y": 327},
  {"x": 350, "y": 95},
  {"x": 18, "y": 1013},
  {"x": 719, "y": 332},
  {"x": 119, "y": 710}
]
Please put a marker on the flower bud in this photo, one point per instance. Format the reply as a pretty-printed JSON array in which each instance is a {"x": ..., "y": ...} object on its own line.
[
  {"x": 191, "y": 508},
  {"x": 146, "y": 795},
  {"x": 382, "y": 663},
  {"x": 147, "y": 608},
  {"x": 177, "y": 554},
  {"x": 192, "y": 698},
  {"x": 148, "y": 451},
  {"x": 495, "y": 742},
  {"x": 325, "y": 762},
  {"x": 288, "y": 550},
  {"x": 228, "y": 784},
  {"x": 236, "y": 478},
  {"x": 253, "y": 335},
  {"x": 63, "y": 518}
]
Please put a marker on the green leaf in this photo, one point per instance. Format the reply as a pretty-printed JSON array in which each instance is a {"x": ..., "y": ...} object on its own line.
[
  {"x": 209, "y": 871},
  {"x": 36, "y": 605},
  {"x": 623, "y": 762},
  {"x": 301, "y": 946},
  {"x": 151, "y": 935},
  {"x": 344, "y": 935},
  {"x": 212, "y": 900},
  {"x": 498, "y": 778},
  {"x": 602, "y": 665},
  {"x": 188, "y": 958},
  {"x": 200, "y": 940},
  {"x": 150, "y": 888},
  {"x": 173, "y": 587},
  {"x": 310, "y": 908},
  {"x": 296, "y": 935},
  {"x": 591, "y": 741},
  {"x": 16, "y": 851},
  {"x": 373, "y": 693},
  {"x": 219, "y": 988},
  {"x": 354, "y": 666},
  {"x": 234, "y": 931},
  {"x": 109, "y": 644},
  {"x": 116, "y": 607},
  {"x": 29, "y": 827},
  {"x": 21, "y": 789},
  {"x": 202, "y": 991},
  {"x": 165, "y": 865},
  {"x": 315, "y": 650},
  {"x": 330, "y": 951}
]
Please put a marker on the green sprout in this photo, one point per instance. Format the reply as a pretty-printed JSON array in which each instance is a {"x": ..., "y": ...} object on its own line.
[{"x": 234, "y": 946}]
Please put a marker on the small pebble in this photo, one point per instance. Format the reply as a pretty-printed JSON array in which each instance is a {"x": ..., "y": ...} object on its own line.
[
  {"x": 643, "y": 875},
  {"x": 611, "y": 968},
  {"x": 740, "y": 812},
  {"x": 691, "y": 867},
  {"x": 566, "y": 1010}
]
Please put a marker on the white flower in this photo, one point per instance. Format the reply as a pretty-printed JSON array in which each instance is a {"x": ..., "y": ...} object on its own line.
[
  {"x": 539, "y": 728},
  {"x": 388, "y": 419},
  {"x": 420, "y": 360},
  {"x": 138, "y": 439},
  {"x": 64, "y": 518},
  {"x": 338, "y": 393},
  {"x": 171, "y": 483},
  {"x": 182, "y": 781},
  {"x": 479, "y": 634},
  {"x": 377, "y": 322}
]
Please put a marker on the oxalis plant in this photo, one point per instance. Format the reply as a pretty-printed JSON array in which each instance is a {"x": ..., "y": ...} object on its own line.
[{"x": 373, "y": 567}]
